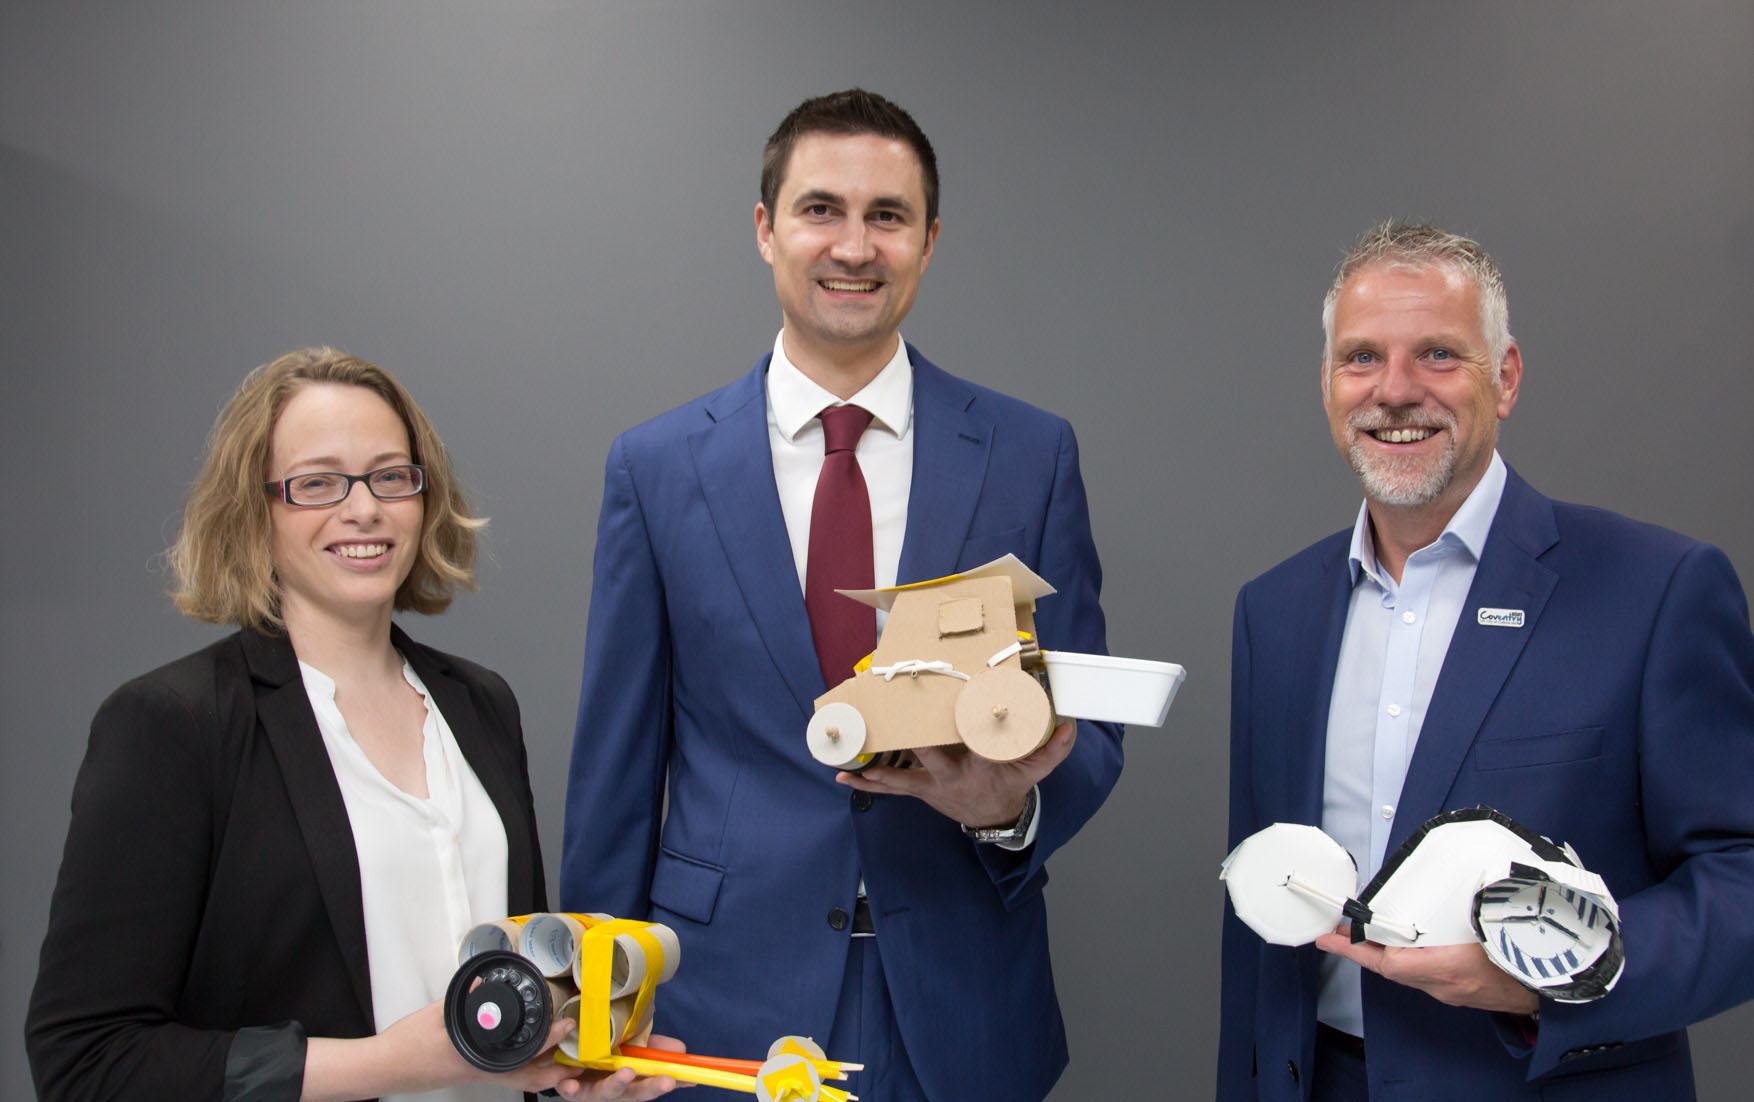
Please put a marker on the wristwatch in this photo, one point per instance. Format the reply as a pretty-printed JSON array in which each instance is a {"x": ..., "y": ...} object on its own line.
[{"x": 1012, "y": 834}]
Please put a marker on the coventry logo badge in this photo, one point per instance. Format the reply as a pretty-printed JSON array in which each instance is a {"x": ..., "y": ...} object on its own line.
[{"x": 1499, "y": 617}]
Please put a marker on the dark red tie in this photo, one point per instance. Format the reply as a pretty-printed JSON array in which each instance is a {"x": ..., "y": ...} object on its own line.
[{"x": 840, "y": 549}]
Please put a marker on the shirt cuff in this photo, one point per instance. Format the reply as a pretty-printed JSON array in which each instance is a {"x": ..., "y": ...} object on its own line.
[{"x": 1028, "y": 838}]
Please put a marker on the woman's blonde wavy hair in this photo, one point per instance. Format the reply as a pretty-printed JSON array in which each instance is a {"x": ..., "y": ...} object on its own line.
[{"x": 222, "y": 561}]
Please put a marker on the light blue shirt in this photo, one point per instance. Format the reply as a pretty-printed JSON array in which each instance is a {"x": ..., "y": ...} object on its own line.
[{"x": 1397, "y": 635}]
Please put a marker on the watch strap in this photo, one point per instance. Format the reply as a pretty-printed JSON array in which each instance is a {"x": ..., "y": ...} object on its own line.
[{"x": 1014, "y": 833}]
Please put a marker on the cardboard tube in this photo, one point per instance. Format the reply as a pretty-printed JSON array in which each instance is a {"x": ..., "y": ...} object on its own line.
[
  {"x": 489, "y": 936},
  {"x": 551, "y": 942},
  {"x": 569, "y": 1045},
  {"x": 561, "y": 994},
  {"x": 672, "y": 950},
  {"x": 628, "y": 966},
  {"x": 619, "y": 1012}
]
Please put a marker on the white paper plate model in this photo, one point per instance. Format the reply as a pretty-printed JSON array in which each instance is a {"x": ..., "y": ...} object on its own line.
[{"x": 1465, "y": 875}]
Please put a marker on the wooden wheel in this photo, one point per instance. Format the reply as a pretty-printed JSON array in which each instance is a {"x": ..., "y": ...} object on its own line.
[{"x": 1003, "y": 714}]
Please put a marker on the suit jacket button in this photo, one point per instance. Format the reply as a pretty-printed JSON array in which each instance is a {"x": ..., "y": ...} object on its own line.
[
  {"x": 837, "y": 919},
  {"x": 861, "y": 801},
  {"x": 1291, "y": 1069}
]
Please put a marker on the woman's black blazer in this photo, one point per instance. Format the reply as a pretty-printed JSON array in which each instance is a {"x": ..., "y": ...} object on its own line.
[{"x": 210, "y": 884}]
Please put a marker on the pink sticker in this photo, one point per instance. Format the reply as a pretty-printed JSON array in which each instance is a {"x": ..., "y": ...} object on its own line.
[{"x": 488, "y": 1015}]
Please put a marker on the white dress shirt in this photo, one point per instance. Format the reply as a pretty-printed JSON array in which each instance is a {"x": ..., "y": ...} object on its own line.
[
  {"x": 429, "y": 870},
  {"x": 1396, "y": 638},
  {"x": 885, "y": 453}
]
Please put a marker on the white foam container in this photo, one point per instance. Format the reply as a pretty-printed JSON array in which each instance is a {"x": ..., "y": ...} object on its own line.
[{"x": 1112, "y": 690}]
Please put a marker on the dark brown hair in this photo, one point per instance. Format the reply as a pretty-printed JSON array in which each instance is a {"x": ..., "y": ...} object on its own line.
[{"x": 854, "y": 111}]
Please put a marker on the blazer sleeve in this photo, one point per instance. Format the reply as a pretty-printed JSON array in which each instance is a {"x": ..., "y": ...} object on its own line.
[
  {"x": 1241, "y": 956},
  {"x": 621, "y": 744},
  {"x": 1073, "y": 619},
  {"x": 1689, "y": 942},
  {"x": 532, "y": 894},
  {"x": 104, "y": 1015}
]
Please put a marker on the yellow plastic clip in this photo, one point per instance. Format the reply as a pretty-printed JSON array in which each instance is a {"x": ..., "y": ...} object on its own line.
[{"x": 791, "y": 1083}]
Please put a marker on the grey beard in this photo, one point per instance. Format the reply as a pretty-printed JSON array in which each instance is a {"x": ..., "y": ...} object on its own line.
[{"x": 1392, "y": 483}]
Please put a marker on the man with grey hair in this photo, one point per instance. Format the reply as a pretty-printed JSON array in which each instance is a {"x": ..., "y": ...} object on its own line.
[{"x": 1471, "y": 642}]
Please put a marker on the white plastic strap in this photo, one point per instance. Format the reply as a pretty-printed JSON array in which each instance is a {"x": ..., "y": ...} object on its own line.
[
  {"x": 1005, "y": 653},
  {"x": 915, "y": 667}
]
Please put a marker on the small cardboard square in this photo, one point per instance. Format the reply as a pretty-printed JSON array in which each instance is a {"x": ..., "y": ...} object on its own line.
[{"x": 959, "y": 616}]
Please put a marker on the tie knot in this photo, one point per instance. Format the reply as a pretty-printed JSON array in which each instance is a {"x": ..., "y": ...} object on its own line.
[{"x": 842, "y": 426}]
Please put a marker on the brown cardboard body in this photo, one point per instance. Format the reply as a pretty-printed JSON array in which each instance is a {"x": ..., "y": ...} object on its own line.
[{"x": 963, "y": 622}]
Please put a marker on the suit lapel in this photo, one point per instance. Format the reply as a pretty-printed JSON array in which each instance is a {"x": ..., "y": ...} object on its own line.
[
  {"x": 734, "y": 462},
  {"x": 951, "y": 446},
  {"x": 284, "y": 711},
  {"x": 1480, "y": 658},
  {"x": 476, "y": 741}
]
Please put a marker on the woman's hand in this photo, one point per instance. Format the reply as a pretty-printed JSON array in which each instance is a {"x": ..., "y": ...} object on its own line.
[{"x": 415, "y": 1054}]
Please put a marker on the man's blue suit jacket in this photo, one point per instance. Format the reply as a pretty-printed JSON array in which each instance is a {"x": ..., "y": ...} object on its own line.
[
  {"x": 700, "y": 674},
  {"x": 1619, "y": 718}
]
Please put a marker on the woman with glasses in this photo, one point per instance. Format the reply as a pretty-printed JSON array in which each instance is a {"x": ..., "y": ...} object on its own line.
[{"x": 279, "y": 841}]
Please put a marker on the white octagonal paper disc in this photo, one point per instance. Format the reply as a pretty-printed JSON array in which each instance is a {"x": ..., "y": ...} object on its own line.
[{"x": 1258, "y": 875}]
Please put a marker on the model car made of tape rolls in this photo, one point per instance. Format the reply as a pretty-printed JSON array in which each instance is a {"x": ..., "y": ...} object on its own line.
[
  {"x": 959, "y": 663},
  {"x": 518, "y": 975}
]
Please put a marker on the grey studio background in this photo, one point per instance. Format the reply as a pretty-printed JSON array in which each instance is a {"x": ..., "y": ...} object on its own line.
[{"x": 537, "y": 214}]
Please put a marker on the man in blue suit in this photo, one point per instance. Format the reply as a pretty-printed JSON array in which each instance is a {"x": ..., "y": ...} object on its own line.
[
  {"x": 1471, "y": 642},
  {"x": 896, "y": 915}
]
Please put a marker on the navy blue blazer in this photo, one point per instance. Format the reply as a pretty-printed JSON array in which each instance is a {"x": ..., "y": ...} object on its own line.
[
  {"x": 1619, "y": 718},
  {"x": 700, "y": 675}
]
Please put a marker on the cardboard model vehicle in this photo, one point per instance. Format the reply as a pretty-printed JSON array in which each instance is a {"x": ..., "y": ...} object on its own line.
[{"x": 959, "y": 662}]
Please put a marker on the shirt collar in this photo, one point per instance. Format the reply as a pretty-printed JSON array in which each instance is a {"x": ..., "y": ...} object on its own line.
[
  {"x": 794, "y": 400},
  {"x": 1468, "y": 528},
  {"x": 316, "y": 681}
]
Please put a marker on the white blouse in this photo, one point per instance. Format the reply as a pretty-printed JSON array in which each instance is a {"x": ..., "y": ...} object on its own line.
[{"x": 429, "y": 869}]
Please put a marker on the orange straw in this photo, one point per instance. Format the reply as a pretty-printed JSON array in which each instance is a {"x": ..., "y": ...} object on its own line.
[
  {"x": 828, "y": 1069},
  {"x": 717, "y": 1063}
]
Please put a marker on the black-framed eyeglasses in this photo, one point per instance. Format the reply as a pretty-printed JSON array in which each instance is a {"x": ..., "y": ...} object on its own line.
[{"x": 332, "y": 487}]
